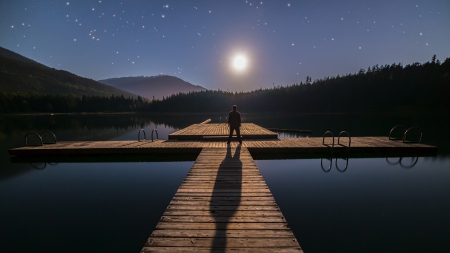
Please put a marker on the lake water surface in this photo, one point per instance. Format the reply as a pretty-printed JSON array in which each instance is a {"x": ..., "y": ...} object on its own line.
[{"x": 375, "y": 204}]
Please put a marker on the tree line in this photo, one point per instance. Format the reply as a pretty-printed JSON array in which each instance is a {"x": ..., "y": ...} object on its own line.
[{"x": 385, "y": 88}]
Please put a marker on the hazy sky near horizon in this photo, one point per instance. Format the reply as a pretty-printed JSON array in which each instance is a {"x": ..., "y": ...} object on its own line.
[{"x": 283, "y": 41}]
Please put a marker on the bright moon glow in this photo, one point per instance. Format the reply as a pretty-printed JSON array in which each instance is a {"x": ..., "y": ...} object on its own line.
[{"x": 240, "y": 62}]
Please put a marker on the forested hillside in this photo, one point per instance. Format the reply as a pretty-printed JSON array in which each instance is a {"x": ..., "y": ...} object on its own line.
[
  {"x": 414, "y": 87},
  {"x": 20, "y": 75},
  {"x": 379, "y": 88}
]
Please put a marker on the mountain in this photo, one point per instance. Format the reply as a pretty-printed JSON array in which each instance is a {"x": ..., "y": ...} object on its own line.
[
  {"x": 152, "y": 86},
  {"x": 19, "y": 74}
]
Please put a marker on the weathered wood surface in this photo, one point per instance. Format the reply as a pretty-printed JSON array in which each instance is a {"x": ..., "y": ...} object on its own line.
[
  {"x": 223, "y": 205},
  {"x": 312, "y": 145},
  {"x": 200, "y": 131}
]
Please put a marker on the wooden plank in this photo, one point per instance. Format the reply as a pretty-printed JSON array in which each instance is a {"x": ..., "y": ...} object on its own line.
[
  {"x": 220, "y": 249},
  {"x": 222, "y": 213},
  {"x": 224, "y": 233},
  {"x": 225, "y": 219},
  {"x": 221, "y": 242},
  {"x": 234, "y": 225}
]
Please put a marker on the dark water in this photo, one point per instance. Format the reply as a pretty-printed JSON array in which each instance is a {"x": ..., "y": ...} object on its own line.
[{"x": 374, "y": 205}]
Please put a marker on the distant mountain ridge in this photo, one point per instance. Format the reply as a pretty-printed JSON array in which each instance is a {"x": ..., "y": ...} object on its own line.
[
  {"x": 22, "y": 75},
  {"x": 153, "y": 86}
]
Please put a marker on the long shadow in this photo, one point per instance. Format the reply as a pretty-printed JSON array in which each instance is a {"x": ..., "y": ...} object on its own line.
[{"x": 226, "y": 196}]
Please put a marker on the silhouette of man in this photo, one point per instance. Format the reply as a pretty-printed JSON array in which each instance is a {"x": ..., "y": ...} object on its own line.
[{"x": 234, "y": 122}]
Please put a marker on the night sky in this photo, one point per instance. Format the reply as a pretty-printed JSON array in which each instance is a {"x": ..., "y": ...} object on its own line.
[{"x": 282, "y": 41}]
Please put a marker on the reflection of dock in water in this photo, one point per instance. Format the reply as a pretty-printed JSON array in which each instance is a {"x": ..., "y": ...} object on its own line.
[{"x": 224, "y": 203}]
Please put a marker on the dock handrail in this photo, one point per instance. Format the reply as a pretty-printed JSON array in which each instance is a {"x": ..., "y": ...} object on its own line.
[
  {"x": 139, "y": 135},
  {"x": 392, "y": 129},
  {"x": 349, "y": 139},
  {"x": 48, "y": 132},
  {"x": 33, "y": 133},
  {"x": 406, "y": 133},
  {"x": 156, "y": 131},
  {"x": 323, "y": 138}
]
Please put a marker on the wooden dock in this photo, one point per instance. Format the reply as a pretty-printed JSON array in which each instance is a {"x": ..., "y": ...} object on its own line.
[
  {"x": 207, "y": 131},
  {"x": 301, "y": 146},
  {"x": 223, "y": 205}
]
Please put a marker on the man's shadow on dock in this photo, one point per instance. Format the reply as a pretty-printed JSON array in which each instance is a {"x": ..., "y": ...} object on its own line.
[{"x": 226, "y": 196}]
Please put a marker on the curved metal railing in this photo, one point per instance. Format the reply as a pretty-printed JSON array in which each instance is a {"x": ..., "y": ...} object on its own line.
[
  {"x": 155, "y": 131},
  {"x": 52, "y": 134},
  {"x": 139, "y": 135},
  {"x": 26, "y": 139},
  {"x": 323, "y": 138},
  {"x": 392, "y": 130},
  {"x": 349, "y": 139},
  {"x": 406, "y": 134}
]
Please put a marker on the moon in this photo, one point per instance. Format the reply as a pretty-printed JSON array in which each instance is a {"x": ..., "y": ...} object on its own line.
[{"x": 240, "y": 62}]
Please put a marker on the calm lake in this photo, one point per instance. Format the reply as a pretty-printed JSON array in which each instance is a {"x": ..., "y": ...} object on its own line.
[{"x": 374, "y": 205}]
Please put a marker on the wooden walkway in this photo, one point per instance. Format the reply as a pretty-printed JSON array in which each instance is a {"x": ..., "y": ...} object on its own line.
[
  {"x": 203, "y": 131},
  {"x": 359, "y": 145},
  {"x": 223, "y": 205}
]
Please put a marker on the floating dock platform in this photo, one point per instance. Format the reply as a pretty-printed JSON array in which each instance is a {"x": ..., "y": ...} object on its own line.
[{"x": 221, "y": 131}]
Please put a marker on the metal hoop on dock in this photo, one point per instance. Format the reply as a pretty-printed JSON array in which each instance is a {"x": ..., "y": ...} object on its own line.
[
  {"x": 139, "y": 135},
  {"x": 26, "y": 139},
  {"x": 392, "y": 130},
  {"x": 406, "y": 133},
  {"x": 349, "y": 139},
  {"x": 48, "y": 132},
  {"x": 323, "y": 138},
  {"x": 156, "y": 131}
]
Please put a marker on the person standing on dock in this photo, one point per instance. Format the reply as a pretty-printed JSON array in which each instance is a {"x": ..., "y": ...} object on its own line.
[{"x": 234, "y": 122}]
